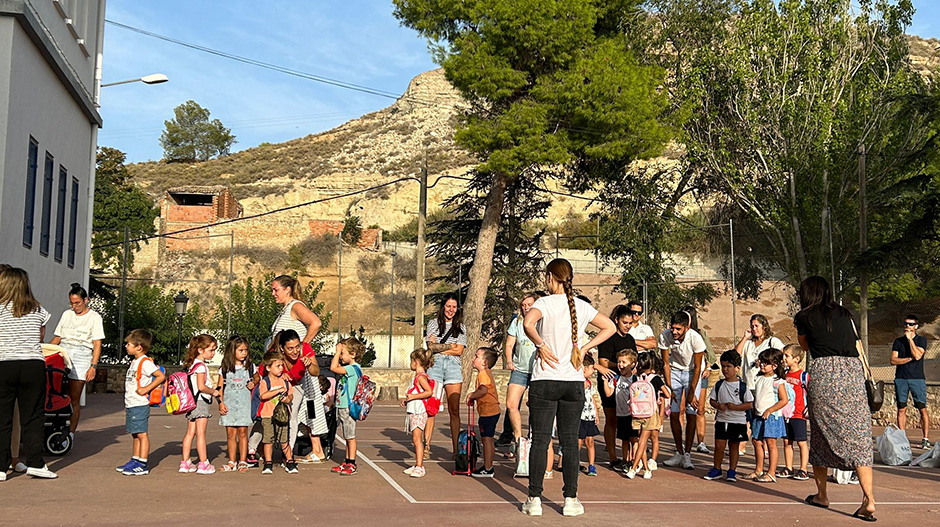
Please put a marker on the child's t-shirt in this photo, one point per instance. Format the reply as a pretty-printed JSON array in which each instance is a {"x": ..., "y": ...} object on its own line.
[
  {"x": 589, "y": 413},
  {"x": 131, "y": 399},
  {"x": 348, "y": 385},
  {"x": 622, "y": 394},
  {"x": 200, "y": 367},
  {"x": 799, "y": 391},
  {"x": 267, "y": 407},
  {"x": 730, "y": 392},
  {"x": 765, "y": 393},
  {"x": 488, "y": 405},
  {"x": 415, "y": 406}
]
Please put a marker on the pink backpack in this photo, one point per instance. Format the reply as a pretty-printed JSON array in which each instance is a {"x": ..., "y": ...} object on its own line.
[
  {"x": 179, "y": 394},
  {"x": 643, "y": 400},
  {"x": 788, "y": 410}
]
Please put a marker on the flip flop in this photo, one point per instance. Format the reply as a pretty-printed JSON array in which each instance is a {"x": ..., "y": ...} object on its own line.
[
  {"x": 864, "y": 517},
  {"x": 809, "y": 500}
]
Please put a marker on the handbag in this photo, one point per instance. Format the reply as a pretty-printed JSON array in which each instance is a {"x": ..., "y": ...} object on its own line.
[{"x": 874, "y": 390}]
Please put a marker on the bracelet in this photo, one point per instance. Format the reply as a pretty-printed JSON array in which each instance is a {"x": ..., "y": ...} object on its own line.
[{"x": 95, "y": 366}]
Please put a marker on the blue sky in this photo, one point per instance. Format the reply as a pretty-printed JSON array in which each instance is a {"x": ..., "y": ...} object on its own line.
[{"x": 357, "y": 41}]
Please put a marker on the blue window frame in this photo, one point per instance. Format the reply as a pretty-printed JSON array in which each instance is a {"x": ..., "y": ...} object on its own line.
[
  {"x": 46, "y": 225},
  {"x": 73, "y": 222},
  {"x": 29, "y": 212},
  {"x": 60, "y": 213}
]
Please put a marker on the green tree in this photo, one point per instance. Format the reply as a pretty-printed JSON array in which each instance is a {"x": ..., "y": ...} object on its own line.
[
  {"x": 550, "y": 83},
  {"x": 118, "y": 204},
  {"x": 352, "y": 230},
  {"x": 191, "y": 136}
]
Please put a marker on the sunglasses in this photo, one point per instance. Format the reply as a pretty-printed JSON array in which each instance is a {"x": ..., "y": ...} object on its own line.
[
  {"x": 911, "y": 324},
  {"x": 636, "y": 312}
]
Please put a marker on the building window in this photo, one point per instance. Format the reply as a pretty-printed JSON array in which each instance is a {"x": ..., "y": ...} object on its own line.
[
  {"x": 46, "y": 224},
  {"x": 60, "y": 214},
  {"x": 30, "y": 210},
  {"x": 73, "y": 222}
]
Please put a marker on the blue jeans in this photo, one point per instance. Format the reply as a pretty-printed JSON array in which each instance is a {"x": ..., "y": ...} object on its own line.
[{"x": 549, "y": 400}]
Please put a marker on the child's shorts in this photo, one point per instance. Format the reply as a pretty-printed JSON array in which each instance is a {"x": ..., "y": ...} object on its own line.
[
  {"x": 273, "y": 434},
  {"x": 416, "y": 422},
  {"x": 348, "y": 423},
  {"x": 648, "y": 423},
  {"x": 731, "y": 432},
  {"x": 201, "y": 410},
  {"x": 625, "y": 429},
  {"x": 588, "y": 429},
  {"x": 136, "y": 419},
  {"x": 796, "y": 429},
  {"x": 488, "y": 425},
  {"x": 771, "y": 428}
]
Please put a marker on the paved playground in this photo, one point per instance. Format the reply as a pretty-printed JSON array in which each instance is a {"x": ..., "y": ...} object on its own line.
[{"x": 89, "y": 491}]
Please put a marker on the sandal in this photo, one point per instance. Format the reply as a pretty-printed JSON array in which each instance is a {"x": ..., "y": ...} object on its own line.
[
  {"x": 766, "y": 478},
  {"x": 753, "y": 475},
  {"x": 785, "y": 473},
  {"x": 864, "y": 517},
  {"x": 231, "y": 466},
  {"x": 811, "y": 500},
  {"x": 509, "y": 455},
  {"x": 242, "y": 466}
]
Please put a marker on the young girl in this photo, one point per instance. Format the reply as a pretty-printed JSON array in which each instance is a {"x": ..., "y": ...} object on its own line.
[
  {"x": 417, "y": 419},
  {"x": 658, "y": 369},
  {"x": 589, "y": 416},
  {"x": 646, "y": 369},
  {"x": 770, "y": 396},
  {"x": 235, "y": 408},
  {"x": 201, "y": 350}
]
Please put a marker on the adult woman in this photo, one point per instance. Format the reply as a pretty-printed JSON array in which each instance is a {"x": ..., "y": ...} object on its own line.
[
  {"x": 757, "y": 337},
  {"x": 520, "y": 354},
  {"x": 556, "y": 392},
  {"x": 838, "y": 407},
  {"x": 446, "y": 336},
  {"x": 80, "y": 332},
  {"x": 606, "y": 367},
  {"x": 22, "y": 370},
  {"x": 300, "y": 363}
]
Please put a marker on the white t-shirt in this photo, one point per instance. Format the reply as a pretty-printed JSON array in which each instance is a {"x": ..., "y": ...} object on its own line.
[
  {"x": 200, "y": 367},
  {"x": 641, "y": 332},
  {"x": 622, "y": 395},
  {"x": 555, "y": 330},
  {"x": 729, "y": 392},
  {"x": 749, "y": 367},
  {"x": 78, "y": 333},
  {"x": 680, "y": 353},
  {"x": 765, "y": 394},
  {"x": 131, "y": 399},
  {"x": 589, "y": 413}
]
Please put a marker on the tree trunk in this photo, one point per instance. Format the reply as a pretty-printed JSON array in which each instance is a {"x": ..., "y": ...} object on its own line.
[{"x": 480, "y": 273}]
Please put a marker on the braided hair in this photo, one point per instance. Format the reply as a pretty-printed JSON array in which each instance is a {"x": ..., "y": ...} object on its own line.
[{"x": 560, "y": 270}]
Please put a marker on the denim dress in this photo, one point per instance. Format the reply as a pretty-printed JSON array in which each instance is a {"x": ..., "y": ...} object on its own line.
[{"x": 237, "y": 397}]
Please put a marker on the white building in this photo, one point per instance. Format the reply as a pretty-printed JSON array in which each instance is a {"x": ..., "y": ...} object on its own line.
[{"x": 50, "y": 64}]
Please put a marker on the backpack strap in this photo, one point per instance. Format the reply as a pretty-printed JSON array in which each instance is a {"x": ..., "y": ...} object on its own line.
[
  {"x": 742, "y": 387},
  {"x": 140, "y": 369}
]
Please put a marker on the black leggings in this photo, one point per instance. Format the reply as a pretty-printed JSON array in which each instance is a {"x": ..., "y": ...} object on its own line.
[
  {"x": 560, "y": 402},
  {"x": 22, "y": 381}
]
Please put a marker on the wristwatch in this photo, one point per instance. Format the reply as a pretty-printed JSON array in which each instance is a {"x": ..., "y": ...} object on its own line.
[{"x": 95, "y": 366}]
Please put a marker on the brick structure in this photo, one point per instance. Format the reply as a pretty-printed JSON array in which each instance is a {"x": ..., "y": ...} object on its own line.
[
  {"x": 188, "y": 207},
  {"x": 371, "y": 239}
]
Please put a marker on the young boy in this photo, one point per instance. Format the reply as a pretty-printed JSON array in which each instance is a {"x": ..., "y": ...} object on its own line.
[
  {"x": 590, "y": 419},
  {"x": 274, "y": 389},
  {"x": 619, "y": 388},
  {"x": 137, "y": 386},
  {"x": 732, "y": 400},
  {"x": 487, "y": 401},
  {"x": 796, "y": 426},
  {"x": 349, "y": 352}
]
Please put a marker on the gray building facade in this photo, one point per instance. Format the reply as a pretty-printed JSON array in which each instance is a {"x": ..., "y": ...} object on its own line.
[{"x": 50, "y": 71}]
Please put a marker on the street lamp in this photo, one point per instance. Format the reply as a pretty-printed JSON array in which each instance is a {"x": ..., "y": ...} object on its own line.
[
  {"x": 391, "y": 309},
  {"x": 180, "y": 300},
  {"x": 156, "y": 78}
]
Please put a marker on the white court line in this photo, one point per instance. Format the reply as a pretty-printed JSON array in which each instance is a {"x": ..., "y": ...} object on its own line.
[
  {"x": 740, "y": 503},
  {"x": 382, "y": 473}
]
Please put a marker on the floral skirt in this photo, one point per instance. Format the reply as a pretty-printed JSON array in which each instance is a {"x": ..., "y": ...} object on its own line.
[{"x": 840, "y": 433}]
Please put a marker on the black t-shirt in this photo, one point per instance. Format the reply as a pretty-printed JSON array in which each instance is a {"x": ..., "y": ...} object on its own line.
[
  {"x": 823, "y": 342},
  {"x": 609, "y": 349},
  {"x": 915, "y": 368}
]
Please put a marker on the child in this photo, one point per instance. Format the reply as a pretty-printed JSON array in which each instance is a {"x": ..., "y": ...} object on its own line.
[
  {"x": 589, "y": 416},
  {"x": 646, "y": 366},
  {"x": 274, "y": 389},
  {"x": 796, "y": 426},
  {"x": 660, "y": 369},
  {"x": 345, "y": 362},
  {"x": 732, "y": 400},
  {"x": 136, "y": 402},
  {"x": 235, "y": 373},
  {"x": 487, "y": 401},
  {"x": 619, "y": 388},
  {"x": 770, "y": 395},
  {"x": 201, "y": 350},
  {"x": 417, "y": 419}
]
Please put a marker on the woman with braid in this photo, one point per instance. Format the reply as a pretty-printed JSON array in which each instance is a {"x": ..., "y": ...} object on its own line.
[{"x": 555, "y": 323}]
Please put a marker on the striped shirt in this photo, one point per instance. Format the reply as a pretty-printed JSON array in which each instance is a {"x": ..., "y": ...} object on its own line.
[
  {"x": 285, "y": 321},
  {"x": 20, "y": 338}
]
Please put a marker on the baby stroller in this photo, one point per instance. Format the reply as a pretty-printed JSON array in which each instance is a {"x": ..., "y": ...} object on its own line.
[{"x": 57, "y": 404}]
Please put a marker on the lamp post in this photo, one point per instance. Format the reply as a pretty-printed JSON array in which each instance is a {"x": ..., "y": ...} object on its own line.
[
  {"x": 391, "y": 309},
  {"x": 156, "y": 78},
  {"x": 180, "y": 300}
]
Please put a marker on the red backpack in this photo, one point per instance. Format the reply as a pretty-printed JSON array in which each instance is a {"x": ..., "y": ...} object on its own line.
[{"x": 432, "y": 405}]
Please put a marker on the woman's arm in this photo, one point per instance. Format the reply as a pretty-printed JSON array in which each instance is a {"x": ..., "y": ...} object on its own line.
[
  {"x": 607, "y": 329},
  {"x": 95, "y": 355},
  {"x": 508, "y": 351},
  {"x": 803, "y": 342},
  {"x": 544, "y": 354},
  {"x": 308, "y": 318}
]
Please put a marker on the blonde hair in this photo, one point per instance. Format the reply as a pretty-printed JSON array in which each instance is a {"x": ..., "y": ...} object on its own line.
[
  {"x": 795, "y": 351},
  {"x": 354, "y": 346},
  {"x": 560, "y": 270},
  {"x": 16, "y": 291},
  {"x": 199, "y": 342},
  {"x": 424, "y": 357}
]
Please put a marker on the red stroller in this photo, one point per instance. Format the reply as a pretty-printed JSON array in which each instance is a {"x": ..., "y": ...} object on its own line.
[{"x": 57, "y": 405}]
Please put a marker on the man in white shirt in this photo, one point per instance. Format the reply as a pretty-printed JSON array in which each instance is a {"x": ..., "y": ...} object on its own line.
[
  {"x": 683, "y": 352},
  {"x": 641, "y": 333}
]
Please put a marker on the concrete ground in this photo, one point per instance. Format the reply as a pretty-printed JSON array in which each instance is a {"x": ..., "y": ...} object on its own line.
[{"x": 89, "y": 491}]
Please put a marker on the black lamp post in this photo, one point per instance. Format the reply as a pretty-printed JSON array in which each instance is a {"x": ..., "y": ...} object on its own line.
[{"x": 180, "y": 300}]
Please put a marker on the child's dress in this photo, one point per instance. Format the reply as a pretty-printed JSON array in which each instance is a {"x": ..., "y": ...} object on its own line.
[
  {"x": 237, "y": 397},
  {"x": 417, "y": 417}
]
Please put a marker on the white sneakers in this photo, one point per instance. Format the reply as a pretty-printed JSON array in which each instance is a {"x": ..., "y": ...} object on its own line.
[
  {"x": 573, "y": 507},
  {"x": 533, "y": 506},
  {"x": 674, "y": 461},
  {"x": 415, "y": 471},
  {"x": 43, "y": 472},
  {"x": 630, "y": 473},
  {"x": 687, "y": 461},
  {"x": 3, "y": 476},
  {"x": 652, "y": 465},
  {"x": 703, "y": 448}
]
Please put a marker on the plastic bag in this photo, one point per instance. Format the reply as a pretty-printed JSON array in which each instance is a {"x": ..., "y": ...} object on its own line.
[
  {"x": 842, "y": 477},
  {"x": 522, "y": 457},
  {"x": 929, "y": 459},
  {"x": 894, "y": 447}
]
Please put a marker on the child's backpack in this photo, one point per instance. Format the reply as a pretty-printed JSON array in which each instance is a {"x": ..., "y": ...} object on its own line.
[
  {"x": 643, "y": 398},
  {"x": 362, "y": 401},
  {"x": 522, "y": 457},
  {"x": 787, "y": 411},
  {"x": 468, "y": 448},
  {"x": 432, "y": 405},
  {"x": 156, "y": 397},
  {"x": 179, "y": 394}
]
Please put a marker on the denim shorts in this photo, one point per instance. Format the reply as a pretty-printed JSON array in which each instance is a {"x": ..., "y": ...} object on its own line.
[
  {"x": 915, "y": 387},
  {"x": 347, "y": 423},
  {"x": 136, "y": 419},
  {"x": 519, "y": 377},
  {"x": 770, "y": 428},
  {"x": 681, "y": 385},
  {"x": 446, "y": 369}
]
